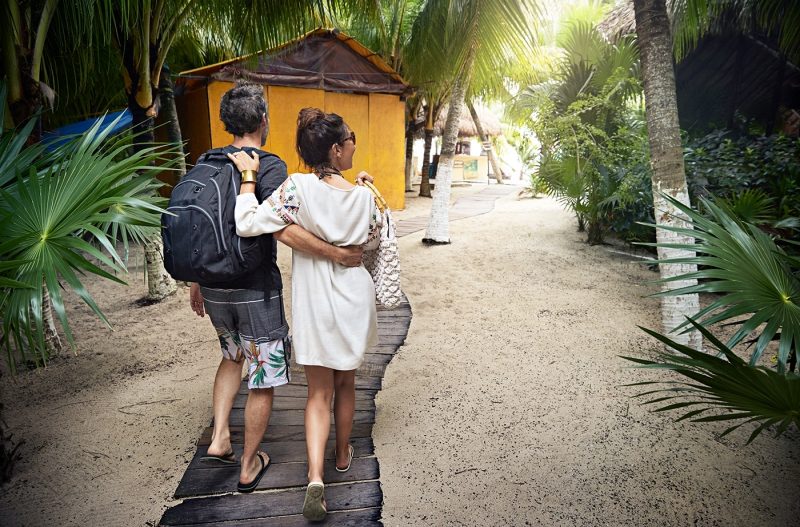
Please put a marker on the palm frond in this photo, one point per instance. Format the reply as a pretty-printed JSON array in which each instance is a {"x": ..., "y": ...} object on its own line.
[
  {"x": 725, "y": 387},
  {"x": 69, "y": 209},
  {"x": 754, "y": 276}
]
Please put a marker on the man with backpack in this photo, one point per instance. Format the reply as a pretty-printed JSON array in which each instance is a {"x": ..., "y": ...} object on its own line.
[{"x": 246, "y": 311}]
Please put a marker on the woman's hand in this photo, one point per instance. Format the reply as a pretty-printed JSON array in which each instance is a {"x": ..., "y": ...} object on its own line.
[
  {"x": 363, "y": 176},
  {"x": 244, "y": 161}
]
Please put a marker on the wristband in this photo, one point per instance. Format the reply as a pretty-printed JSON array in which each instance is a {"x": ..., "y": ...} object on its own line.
[{"x": 248, "y": 176}]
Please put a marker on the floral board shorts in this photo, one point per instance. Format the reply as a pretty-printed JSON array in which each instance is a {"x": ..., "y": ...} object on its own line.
[{"x": 252, "y": 325}]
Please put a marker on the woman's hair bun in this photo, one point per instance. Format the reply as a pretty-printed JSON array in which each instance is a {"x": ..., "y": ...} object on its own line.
[
  {"x": 307, "y": 116},
  {"x": 317, "y": 131}
]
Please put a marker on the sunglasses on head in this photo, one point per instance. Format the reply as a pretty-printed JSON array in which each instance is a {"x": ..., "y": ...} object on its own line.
[{"x": 351, "y": 137}]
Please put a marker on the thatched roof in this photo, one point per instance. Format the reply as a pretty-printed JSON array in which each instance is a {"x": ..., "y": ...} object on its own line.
[
  {"x": 466, "y": 128},
  {"x": 619, "y": 22}
]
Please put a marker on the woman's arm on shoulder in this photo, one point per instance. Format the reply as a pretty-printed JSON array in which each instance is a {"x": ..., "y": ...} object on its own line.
[{"x": 275, "y": 213}]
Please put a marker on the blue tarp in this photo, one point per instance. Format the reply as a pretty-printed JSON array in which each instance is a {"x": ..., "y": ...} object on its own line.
[{"x": 55, "y": 138}]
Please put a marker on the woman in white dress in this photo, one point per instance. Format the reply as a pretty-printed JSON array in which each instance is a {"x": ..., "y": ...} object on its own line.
[{"x": 333, "y": 307}]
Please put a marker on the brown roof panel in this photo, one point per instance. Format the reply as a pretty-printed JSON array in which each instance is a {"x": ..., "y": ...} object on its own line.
[{"x": 324, "y": 59}]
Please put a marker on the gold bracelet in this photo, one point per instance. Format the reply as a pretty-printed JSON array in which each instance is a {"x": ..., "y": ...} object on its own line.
[{"x": 248, "y": 176}]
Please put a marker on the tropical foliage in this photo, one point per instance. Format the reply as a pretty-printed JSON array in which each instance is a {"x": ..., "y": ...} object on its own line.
[
  {"x": 756, "y": 290},
  {"x": 584, "y": 120},
  {"x": 757, "y": 281},
  {"x": 723, "y": 387},
  {"x": 758, "y": 176},
  {"x": 62, "y": 213}
]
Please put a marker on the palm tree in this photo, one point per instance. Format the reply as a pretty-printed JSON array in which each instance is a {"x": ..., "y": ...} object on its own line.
[
  {"x": 435, "y": 98},
  {"x": 69, "y": 207},
  {"x": 455, "y": 40},
  {"x": 38, "y": 35},
  {"x": 666, "y": 160}
]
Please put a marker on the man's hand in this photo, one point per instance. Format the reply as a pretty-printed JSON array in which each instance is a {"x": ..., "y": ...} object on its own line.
[
  {"x": 363, "y": 176},
  {"x": 196, "y": 300},
  {"x": 349, "y": 256}
]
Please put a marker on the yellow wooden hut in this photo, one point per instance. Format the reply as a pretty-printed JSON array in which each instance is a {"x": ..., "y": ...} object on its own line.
[{"x": 326, "y": 69}]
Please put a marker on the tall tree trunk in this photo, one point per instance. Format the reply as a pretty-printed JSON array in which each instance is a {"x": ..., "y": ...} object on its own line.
[
  {"x": 141, "y": 96},
  {"x": 666, "y": 159},
  {"x": 425, "y": 182},
  {"x": 409, "y": 155},
  {"x": 438, "y": 231},
  {"x": 166, "y": 95},
  {"x": 498, "y": 174}
]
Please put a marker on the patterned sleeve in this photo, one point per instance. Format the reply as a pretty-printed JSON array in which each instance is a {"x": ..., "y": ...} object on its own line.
[
  {"x": 375, "y": 223},
  {"x": 275, "y": 213}
]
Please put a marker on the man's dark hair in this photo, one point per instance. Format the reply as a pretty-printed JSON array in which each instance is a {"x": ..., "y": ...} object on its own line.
[{"x": 241, "y": 109}]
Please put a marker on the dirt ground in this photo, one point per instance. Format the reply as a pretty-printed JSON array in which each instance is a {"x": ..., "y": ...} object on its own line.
[{"x": 503, "y": 408}]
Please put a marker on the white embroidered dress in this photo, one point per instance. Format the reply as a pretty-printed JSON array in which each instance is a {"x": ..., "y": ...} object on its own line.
[{"x": 333, "y": 306}]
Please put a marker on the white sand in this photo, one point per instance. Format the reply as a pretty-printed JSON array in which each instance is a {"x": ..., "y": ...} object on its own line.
[{"x": 503, "y": 408}]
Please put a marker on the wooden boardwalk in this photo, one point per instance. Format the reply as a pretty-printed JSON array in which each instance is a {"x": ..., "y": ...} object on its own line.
[{"x": 354, "y": 498}]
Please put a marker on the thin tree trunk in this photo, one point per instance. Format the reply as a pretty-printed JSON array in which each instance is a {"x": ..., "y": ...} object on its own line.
[
  {"x": 666, "y": 160},
  {"x": 498, "y": 174},
  {"x": 409, "y": 155},
  {"x": 425, "y": 182},
  {"x": 166, "y": 94},
  {"x": 52, "y": 341},
  {"x": 438, "y": 231},
  {"x": 159, "y": 283}
]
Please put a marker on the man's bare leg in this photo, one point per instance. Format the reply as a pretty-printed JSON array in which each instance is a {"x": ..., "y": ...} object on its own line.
[
  {"x": 256, "y": 418},
  {"x": 226, "y": 386}
]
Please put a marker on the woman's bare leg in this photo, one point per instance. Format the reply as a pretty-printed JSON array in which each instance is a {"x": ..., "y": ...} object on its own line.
[
  {"x": 344, "y": 406},
  {"x": 318, "y": 417}
]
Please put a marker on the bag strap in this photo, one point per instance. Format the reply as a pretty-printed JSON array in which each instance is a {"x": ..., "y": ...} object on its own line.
[{"x": 379, "y": 201}]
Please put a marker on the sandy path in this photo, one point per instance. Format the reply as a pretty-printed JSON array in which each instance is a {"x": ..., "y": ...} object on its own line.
[
  {"x": 531, "y": 427},
  {"x": 504, "y": 408}
]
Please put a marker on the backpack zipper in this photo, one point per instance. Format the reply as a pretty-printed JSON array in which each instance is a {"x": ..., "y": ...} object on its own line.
[
  {"x": 219, "y": 211},
  {"x": 181, "y": 182}
]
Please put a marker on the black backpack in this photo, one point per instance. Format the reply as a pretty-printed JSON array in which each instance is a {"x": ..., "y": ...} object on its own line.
[{"x": 199, "y": 229}]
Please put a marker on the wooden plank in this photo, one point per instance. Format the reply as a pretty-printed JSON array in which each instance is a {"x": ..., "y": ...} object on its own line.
[
  {"x": 204, "y": 482},
  {"x": 397, "y": 340},
  {"x": 378, "y": 358},
  {"x": 285, "y": 452},
  {"x": 282, "y": 433},
  {"x": 399, "y": 313},
  {"x": 360, "y": 495},
  {"x": 349, "y": 518},
  {"x": 297, "y": 417},
  {"x": 387, "y": 349}
]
